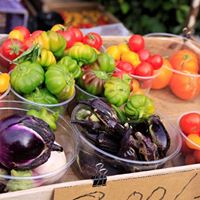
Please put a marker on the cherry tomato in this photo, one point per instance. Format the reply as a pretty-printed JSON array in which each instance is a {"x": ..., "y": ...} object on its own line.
[
  {"x": 156, "y": 61},
  {"x": 144, "y": 69},
  {"x": 122, "y": 75},
  {"x": 125, "y": 66},
  {"x": 69, "y": 37},
  {"x": 93, "y": 39},
  {"x": 190, "y": 123},
  {"x": 4, "y": 82},
  {"x": 136, "y": 43},
  {"x": 77, "y": 33},
  {"x": 12, "y": 48},
  {"x": 143, "y": 54},
  {"x": 25, "y": 32}
]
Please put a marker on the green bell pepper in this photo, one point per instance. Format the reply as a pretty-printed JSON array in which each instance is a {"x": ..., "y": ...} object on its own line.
[
  {"x": 139, "y": 106},
  {"x": 60, "y": 82},
  {"x": 42, "y": 96},
  {"x": 49, "y": 118},
  {"x": 116, "y": 91},
  {"x": 57, "y": 43},
  {"x": 26, "y": 77},
  {"x": 106, "y": 62},
  {"x": 71, "y": 65},
  {"x": 83, "y": 53}
]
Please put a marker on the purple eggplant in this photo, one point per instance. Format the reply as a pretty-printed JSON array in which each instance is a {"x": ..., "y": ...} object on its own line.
[{"x": 25, "y": 142}]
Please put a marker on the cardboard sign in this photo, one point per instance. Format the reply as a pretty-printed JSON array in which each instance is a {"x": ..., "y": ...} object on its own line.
[{"x": 182, "y": 185}]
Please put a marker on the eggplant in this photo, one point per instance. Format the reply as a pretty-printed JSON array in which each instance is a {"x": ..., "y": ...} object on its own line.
[{"x": 25, "y": 142}]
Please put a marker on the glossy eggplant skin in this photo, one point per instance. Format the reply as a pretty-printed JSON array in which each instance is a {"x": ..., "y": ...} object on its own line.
[
  {"x": 143, "y": 140},
  {"x": 25, "y": 142}
]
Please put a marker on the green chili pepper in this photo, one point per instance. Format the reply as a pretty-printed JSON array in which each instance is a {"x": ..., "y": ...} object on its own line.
[
  {"x": 49, "y": 118},
  {"x": 42, "y": 96}
]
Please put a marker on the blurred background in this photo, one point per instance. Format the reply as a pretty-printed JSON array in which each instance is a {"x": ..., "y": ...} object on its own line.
[{"x": 109, "y": 17}]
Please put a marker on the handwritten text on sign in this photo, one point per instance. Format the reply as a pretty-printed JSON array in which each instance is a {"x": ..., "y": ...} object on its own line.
[{"x": 173, "y": 186}]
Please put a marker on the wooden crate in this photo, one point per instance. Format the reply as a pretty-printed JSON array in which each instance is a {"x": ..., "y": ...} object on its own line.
[{"x": 174, "y": 182}]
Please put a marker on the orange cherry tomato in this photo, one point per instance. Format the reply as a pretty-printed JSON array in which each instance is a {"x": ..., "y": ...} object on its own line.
[
  {"x": 193, "y": 138},
  {"x": 164, "y": 77}
]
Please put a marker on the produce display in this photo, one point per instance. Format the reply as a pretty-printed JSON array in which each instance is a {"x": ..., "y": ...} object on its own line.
[
  {"x": 134, "y": 133},
  {"x": 119, "y": 126},
  {"x": 28, "y": 149},
  {"x": 85, "y": 19},
  {"x": 189, "y": 124}
]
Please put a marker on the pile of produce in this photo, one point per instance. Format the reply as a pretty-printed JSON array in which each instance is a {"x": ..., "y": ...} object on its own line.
[
  {"x": 134, "y": 132},
  {"x": 189, "y": 124},
  {"x": 85, "y": 19},
  {"x": 28, "y": 148},
  {"x": 46, "y": 63}
]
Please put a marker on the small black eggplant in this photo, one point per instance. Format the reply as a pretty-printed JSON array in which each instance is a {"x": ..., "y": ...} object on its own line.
[{"x": 159, "y": 135}]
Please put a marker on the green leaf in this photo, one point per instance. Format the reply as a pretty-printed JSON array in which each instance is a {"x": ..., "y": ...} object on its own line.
[{"x": 124, "y": 7}]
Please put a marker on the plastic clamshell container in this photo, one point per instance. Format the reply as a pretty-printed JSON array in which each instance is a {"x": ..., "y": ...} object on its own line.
[
  {"x": 90, "y": 155},
  {"x": 64, "y": 135},
  {"x": 190, "y": 149}
]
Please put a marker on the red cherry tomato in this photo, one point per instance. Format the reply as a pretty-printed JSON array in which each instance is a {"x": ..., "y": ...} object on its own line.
[
  {"x": 69, "y": 37},
  {"x": 156, "y": 61},
  {"x": 144, "y": 69},
  {"x": 143, "y": 54},
  {"x": 12, "y": 48},
  {"x": 125, "y": 66},
  {"x": 190, "y": 123},
  {"x": 25, "y": 32},
  {"x": 122, "y": 75},
  {"x": 77, "y": 33},
  {"x": 136, "y": 43},
  {"x": 93, "y": 39}
]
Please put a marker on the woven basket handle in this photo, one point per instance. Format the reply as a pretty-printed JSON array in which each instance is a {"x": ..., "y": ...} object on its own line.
[{"x": 192, "y": 18}]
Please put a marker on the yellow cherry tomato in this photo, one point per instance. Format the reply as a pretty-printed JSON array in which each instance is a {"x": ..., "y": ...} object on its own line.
[
  {"x": 195, "y": 139},
  {"x": 131, "y": 57},
  {"x": 4, "y": 82},
  {"x": 16, "y": 34},
  {"x": 123, "y": 47},
  {"x": 114, "y": 52}
]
